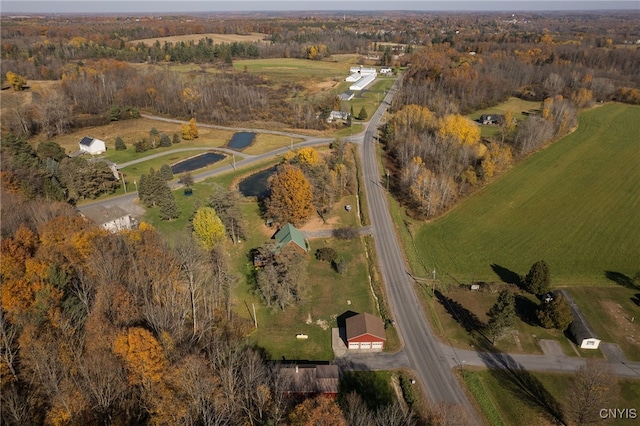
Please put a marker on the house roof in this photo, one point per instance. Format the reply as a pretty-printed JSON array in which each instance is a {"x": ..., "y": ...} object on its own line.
[
  {"x": 580, "y": 327},
  {"x": 101, "y": 215},
  {"x": 87, "y": 141},
  {"x": 365, "y": 323},
  {"x": 311, "y": 378},
  {"x": 290, "y": 234}
]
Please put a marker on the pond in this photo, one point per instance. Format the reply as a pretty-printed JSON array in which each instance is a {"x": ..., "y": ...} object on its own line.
[
  {"x": 197, "y": 162},
  {"x": 241, "y": 140},
  {"x": 256, "y": 184}
]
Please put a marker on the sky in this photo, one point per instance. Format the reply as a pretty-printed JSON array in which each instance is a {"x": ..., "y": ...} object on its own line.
[{"x": 175, "y": 6}]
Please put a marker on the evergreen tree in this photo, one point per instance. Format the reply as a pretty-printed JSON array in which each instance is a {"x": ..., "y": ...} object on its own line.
[
  {"x": 167, "y": 203},
  {"x": 538, "y": 280},
  {"x": 165, "y": 172},
  {"x": 153, "y": 133},
  {"x": 176, "y": 138},
  {"x": 502, "y": 314},
  {"x": 555, "y": 314},
  {"x": 120, "y": 145},
  {"x": 362, "y": 115},
  {"x": 114, "y": 113},
  {"x": 165, "y": 141}
]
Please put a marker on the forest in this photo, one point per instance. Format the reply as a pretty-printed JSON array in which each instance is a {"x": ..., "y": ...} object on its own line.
[{"x": 128, "y": 328}]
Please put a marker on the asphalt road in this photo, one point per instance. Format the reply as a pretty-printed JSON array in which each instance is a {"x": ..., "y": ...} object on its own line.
[{"x": 422, "y": 349}]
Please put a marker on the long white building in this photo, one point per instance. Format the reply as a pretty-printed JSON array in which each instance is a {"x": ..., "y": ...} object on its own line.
[{"x": 363, "y": 82}]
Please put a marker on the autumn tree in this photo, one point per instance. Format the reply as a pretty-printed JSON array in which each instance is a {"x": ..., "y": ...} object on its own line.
[
  {"x": 190, "y": 130},
  {"x": 460, "y": 129},
  {"x": 226, "y": 203},
  {"x": 319, "y": 411},
  {"x": 16, "y": 81},
  {"x": 502, "y": 314},
  {"x": 555, "y": 313},
  {"x": 207, "y": 227},
  {"x": 592, "y": 388},
  {"x": 538, "y": 279},
  {"x": 291, "y": 196}
]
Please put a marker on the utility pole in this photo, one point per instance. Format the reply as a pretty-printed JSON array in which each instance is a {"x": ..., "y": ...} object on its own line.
[
  {"x": 136, "y": 184},
  {"x": 433, "y": 283},
  {"x": 255, "y": 318}
]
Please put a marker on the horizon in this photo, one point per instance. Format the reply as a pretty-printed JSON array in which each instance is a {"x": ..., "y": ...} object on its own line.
[{"x": 118, "y": 7}]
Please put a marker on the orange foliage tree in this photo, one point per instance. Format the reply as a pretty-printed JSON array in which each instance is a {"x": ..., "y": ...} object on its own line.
[{"x": 291, "y": 198}]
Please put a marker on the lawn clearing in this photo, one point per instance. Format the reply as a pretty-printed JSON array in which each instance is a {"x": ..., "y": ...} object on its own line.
[
  {"x": 303, "y": 71},
  {"x": 518, "y": 107},
  {"x": 574, "y": 204},
  {"x": 510, "y": 401}
]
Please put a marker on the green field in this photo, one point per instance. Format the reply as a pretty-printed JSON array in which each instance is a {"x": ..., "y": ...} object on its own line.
[
  {"x": 528, "y": 398},
  {"x": 574, "y": 204},
  {"x": 519, "y": 109}
]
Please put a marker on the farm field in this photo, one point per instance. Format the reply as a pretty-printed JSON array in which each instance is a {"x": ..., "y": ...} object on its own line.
[
  {"x": 217, "y": 38},
  {"x": 574, "y": 205}
]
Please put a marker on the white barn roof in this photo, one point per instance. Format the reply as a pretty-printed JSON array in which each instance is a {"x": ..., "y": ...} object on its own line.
[{"x": 363, "y": 82}]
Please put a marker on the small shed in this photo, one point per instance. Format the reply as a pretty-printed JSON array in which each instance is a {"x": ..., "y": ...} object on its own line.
[
  {"x": 365, "y": 331},
  {"x": 92, "y": 145},
  {"x": 580, "y": 328},
  {"x": 290, "y": 235}
]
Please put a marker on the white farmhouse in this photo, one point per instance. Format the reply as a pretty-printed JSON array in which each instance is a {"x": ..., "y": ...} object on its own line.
[{"x": 92, "y": 145}]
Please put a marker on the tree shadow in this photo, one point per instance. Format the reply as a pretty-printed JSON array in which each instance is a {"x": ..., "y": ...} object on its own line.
[
  {"x": 514, "y": 377},
  {"x": 467, "y": 319},
  {"x": 507, "y": 275},
  {"x": 526, "y": 310},
  {"x": 374, "y": 389},
  {"x": 622, "y": 279}
]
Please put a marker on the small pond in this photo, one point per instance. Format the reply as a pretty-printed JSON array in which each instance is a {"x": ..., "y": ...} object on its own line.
[
  {"x": 256, "y": 184},
  {"x": 241, "y": 140},
  {"x": 197, "y": 162}
]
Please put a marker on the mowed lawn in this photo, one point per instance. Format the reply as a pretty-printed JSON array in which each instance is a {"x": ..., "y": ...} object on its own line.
[{"x": 574, "y": 204}]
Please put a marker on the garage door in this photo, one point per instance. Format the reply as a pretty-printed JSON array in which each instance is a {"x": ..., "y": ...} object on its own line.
[
  {"x": 376, "y": 345},
  {"x": 365, "y": 345},
  {"x": 354, "y": 345}
]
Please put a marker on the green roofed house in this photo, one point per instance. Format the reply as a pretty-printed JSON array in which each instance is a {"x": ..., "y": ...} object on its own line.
[{"x": 289, "y": 234}]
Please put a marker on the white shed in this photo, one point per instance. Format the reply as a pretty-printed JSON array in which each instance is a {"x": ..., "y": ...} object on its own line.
[{"x": 92, "y": 145}]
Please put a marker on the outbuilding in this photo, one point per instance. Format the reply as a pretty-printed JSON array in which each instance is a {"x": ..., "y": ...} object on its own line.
[
  {"x": 92, "y": 146},
  {"x": 365, "y": 331},
  {"x": 580, "y": 328}
]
